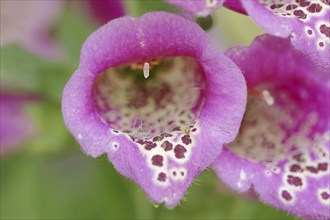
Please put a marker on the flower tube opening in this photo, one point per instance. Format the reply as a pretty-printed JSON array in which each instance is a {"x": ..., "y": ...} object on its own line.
[
  {"x": 166, "y": 101},
  {"x": 275, "y": 130}
]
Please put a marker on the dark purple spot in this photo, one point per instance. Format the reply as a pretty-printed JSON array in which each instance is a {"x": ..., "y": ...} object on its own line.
[
  {"x": 170, "y": 122},
  {"x": 194, "y": 130},
  {"x": 303, "y": 3},
  {"x": 182, "y": 112},
  {"x": 157, "y": 160},
  {"x": 314, "y": 8},
  {"x": 161, "y": 177},
  {"x": 115, "y": 131},
  {"x": 167, "y": 146},
  {"x": 158, "y": 138},
  {"x": 296, "y": 168},
  {"x": 295, "y": 181},
  {"x": 321, "y": 44},
  {"x": 182, "y": 173},
  {"x": 268, "y": 144},
  {"x": 179, "y": 151},
  {"x": 140, "y": 141},
  {"x": 310, "y": 32},
  {"x": 325, "y": 195},
  {"x": 325, "y": 30},
  {"x": 274, "y": 6},
  {"x": 291, "y": 7},
  {"x": 150, "y": 145},
  {"x": 174, "y": 173},
  {"x": 298, "y": 157},
  {"x": 167, "y": 135},
  {"x": 138, "y": 100},
  {"x": 161, "y": 94},
  {"x": 312, "y": 169},
  {"x": 286, "y": 195},
  {"x": 186, "y": 139},
  {"x": 322, "y": 166},
  {"x": 299, "y": 14}
]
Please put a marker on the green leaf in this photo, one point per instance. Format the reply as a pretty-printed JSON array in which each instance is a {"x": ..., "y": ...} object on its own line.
[
  {"x": 138, "y": 8},
  {"x": 19, "y": 187},
  {"x": 236, "y": 29},
  {"x": 62, "y": 186},
  {"x": 22, "y": 71},
  {"x": 72, "y": 30},
  {"x": 52, "y": 135}
]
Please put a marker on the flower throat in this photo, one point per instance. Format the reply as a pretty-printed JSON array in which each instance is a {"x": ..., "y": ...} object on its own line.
[{"x": 152, "y": 98}]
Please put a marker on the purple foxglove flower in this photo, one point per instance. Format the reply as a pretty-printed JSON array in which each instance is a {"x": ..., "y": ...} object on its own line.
[
  {"x": 106, "y": 10},
  {"x": 15, "y": 126},
  {"x": 282, "y": 150},
  {"x": 235, "y": 5},
  {"x": 28, "y": 22},
  {"x": 157, "y": 98},
  {"x": 197, "y": 7},
  {"x": 305, "y": 21}
]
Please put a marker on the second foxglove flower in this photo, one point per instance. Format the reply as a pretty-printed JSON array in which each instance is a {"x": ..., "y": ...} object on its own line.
[{"x": 282, "y": 150}]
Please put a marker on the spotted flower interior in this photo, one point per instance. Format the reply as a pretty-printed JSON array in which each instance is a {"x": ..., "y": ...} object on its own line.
[
  {"x": 305, "y": 21},
  {"x": 287, "y": 139},
  {"x": 310, "y": 13},
  {"x": 167, "y": 100},
  {"x": 156, "y": 104}
]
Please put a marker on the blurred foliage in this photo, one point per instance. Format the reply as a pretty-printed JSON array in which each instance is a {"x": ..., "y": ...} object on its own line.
[
  {"x": 205, "y": 22},
  {"x": 236, "y": 29},
  {"x": 27, "y": 72},
  {"x": 71, "y": 31},
  {"x": 53, "y": 136},
  {"x": 70, "y": 185},
  {"x": 50, "y": 177},
  {"x": 138, "y": 8}
]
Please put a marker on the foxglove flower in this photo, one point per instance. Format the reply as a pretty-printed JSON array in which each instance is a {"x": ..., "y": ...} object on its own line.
[
  {"x": 235, "y": 5},
  {"x": 15, "y": 125},
  {"x": 282, "y": 150},
  {"x": 28, "y": 23},
  {"x": 305, "y": 21},
  {"x": 197, "y": 7},
  {"x": 154, "y": 95}
]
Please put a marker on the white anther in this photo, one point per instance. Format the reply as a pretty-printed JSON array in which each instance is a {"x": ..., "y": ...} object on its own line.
[
  {"x": 146, "y": 69},
  {"x": 268, "y": 97},
  {"x": 211, "y": 3}
]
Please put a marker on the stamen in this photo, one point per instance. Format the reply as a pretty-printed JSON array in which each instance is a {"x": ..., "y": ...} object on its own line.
[
  {"x": 268, "y": 97},
  {"x": 211, "y": 3},
  {"x": 146, "y": 69}
]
